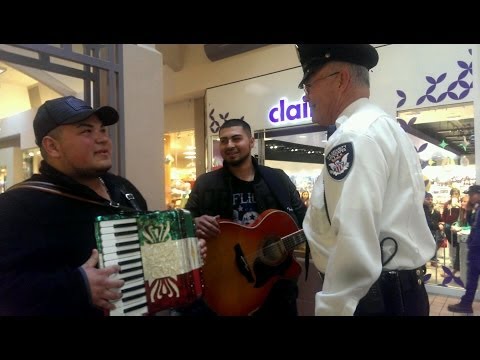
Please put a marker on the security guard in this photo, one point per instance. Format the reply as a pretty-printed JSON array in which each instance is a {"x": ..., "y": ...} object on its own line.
[{"x": 365, "y": 223}]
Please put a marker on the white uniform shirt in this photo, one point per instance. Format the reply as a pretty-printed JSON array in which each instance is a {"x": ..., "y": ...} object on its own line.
[{"x": 374, "y": 189}]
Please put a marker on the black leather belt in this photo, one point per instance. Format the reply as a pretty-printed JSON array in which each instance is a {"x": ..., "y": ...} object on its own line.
[{"x": 408, "y": 279}]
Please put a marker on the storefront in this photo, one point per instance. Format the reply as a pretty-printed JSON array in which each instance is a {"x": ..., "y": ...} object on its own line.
[
  {"x": 180, "y": 168},
  {"x": 428, "y": 87}
]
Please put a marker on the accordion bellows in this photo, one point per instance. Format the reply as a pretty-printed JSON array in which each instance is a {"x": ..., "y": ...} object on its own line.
[{"x": 159, "y": 258}]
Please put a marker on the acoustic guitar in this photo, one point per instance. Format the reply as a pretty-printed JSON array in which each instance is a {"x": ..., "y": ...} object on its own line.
[{"x": 244, "y": 262}]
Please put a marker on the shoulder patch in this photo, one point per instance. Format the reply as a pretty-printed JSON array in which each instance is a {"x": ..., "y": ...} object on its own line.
[{"x": 339, "y": 161}]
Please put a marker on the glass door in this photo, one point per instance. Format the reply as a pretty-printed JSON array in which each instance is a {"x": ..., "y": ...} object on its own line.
[{"x": 444, "y": 139}]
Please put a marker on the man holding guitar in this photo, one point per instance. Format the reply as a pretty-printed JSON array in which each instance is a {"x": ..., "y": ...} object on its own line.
[{"x": 239, "y": 194}]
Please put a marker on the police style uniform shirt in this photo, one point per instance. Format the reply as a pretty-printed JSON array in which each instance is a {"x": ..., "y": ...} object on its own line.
[{"x": 374, "y": 189}]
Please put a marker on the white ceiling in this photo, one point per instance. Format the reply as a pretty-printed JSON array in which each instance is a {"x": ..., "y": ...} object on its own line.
[{"x": 14, "y": 77}]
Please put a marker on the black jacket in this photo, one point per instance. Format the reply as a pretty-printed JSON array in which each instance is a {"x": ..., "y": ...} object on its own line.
[
  {"x": 212, "y": 193},
  {"x": 45, "y": 238}
]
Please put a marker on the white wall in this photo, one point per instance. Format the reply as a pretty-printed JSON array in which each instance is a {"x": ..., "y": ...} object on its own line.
[
  {"x": 12, "y": 159},
  {"x": 20, "y": 124},
  {"x": 179, "y": 116},
  {"x": 47, "y": 94},
  {"x": 199, "y": 73},
  {"x": 144, "y": 122},
  {"x": 405, "y": 67},
  {"x": 14, "y": 99}
]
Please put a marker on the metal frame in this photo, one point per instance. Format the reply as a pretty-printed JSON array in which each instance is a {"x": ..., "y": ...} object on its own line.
[{"x": 98, "y": 90}]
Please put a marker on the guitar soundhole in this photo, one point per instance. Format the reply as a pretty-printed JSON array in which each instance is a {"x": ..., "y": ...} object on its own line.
[{"x": 273, "y": 251}]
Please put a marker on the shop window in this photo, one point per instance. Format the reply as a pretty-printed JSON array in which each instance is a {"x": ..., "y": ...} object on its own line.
[
  {"x": 3, "y": 178},
  {"x": 31, "y": 161},
  {"x": 445, "y": 142},
  {"x": 180, "y": 168}
]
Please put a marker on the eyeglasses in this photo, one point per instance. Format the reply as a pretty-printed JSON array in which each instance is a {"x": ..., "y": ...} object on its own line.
[{"x": 306, "y": 87}]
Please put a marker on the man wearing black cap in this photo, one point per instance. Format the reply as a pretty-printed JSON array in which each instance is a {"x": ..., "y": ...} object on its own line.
[
  {"x": 47, "y": 244},
  {"x": 365, "y": 223},
  {"x": 473, "y": 258}
]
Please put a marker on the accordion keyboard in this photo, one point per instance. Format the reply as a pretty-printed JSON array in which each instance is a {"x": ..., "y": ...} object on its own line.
[{"x": 120, "y": 246}]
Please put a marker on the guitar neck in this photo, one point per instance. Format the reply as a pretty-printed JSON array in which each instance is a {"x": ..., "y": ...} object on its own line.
[{"x": 293, "y": 240}]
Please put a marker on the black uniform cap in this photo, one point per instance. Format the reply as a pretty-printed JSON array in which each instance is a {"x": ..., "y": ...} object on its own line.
[
  {"x": 472, "y": 189},
  {"x": 313, "y": 56}
]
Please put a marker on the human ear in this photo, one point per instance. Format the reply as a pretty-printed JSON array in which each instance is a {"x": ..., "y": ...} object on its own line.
[{"x": 51, "y": 146}]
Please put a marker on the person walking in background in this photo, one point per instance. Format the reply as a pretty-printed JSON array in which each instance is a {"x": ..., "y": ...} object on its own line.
[
  {"x": 48, "y": 255},
  {"x": 473, "y": 257},
  {"x": 365, "y": 224},
  {"x": 240, "y": 191},
  {"x": 305, "y": 197},
  {"x": 450, "y": 213},
  {"x": 433, "y": 220},
  {"x": 460, "y": 225}
]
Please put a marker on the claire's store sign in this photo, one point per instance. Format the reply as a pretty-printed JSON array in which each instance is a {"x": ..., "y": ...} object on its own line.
[{"x": 289, "y": 111}]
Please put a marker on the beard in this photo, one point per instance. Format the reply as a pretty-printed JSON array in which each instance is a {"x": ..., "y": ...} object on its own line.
[{"x": 238, "y": 161}]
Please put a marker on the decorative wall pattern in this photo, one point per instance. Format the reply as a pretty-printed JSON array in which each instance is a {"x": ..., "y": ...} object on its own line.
[
  {"x": 457, "y": 90},
  {"x": 215, "y": 124}
]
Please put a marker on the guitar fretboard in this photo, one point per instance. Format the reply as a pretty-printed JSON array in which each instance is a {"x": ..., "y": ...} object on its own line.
[{"x": 293, "y": 240}]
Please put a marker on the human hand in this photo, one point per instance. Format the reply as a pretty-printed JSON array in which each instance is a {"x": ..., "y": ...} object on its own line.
[
  {"x": 207, "y": 226},
  {"x": 102, "y": 284}
]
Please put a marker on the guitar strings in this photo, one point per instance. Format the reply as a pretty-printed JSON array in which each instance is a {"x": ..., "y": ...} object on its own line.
[{"x": 296, "y": 235}]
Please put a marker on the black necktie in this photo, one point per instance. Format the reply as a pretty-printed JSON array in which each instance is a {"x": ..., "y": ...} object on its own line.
[{"x": 330, "y": 130}]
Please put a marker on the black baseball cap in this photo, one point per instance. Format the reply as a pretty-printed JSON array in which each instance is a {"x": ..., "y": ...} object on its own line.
[
  {"x": 473, "y": 189},
  {"x": 313, "y": 56},
  {"x": 68, "y": 110}
]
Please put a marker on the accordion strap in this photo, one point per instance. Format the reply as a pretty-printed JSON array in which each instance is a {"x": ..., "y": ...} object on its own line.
[{"x": 58, "y": 190}]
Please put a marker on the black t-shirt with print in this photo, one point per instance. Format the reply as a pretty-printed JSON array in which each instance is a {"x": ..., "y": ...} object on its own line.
[{"x": 244, "y": 203}]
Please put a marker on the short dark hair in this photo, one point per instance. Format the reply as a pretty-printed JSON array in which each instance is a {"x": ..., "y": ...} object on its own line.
[
  {"x": 454, "y": 190},
  {"x": 236, "y": 122},
  {"x": 473, "y": 189}
]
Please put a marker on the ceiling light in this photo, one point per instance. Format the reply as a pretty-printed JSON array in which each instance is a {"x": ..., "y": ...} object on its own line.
[{"x": 2, "y": 70}]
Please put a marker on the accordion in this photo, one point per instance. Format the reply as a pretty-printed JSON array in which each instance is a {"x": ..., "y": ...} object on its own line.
[{"x": 159, "y": 257}]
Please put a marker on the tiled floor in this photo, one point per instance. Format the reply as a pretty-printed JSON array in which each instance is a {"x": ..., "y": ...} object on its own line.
[{"x": 439, "y": 303}]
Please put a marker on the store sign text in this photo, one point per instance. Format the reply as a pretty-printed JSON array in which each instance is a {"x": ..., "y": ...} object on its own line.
[{"x": 285, "y": 111}]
